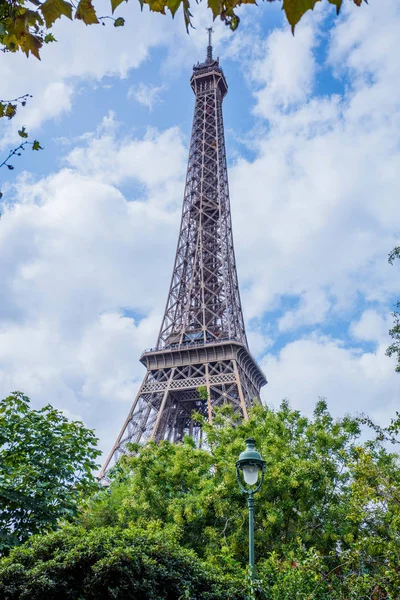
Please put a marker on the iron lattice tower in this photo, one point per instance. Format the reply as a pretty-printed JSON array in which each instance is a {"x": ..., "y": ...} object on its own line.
[{"x": 202, "y": 341}]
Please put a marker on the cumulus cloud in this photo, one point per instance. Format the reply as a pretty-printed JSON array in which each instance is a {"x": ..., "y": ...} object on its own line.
[
  {"x": 80, "y": 300},
  {"x": 147, "y": 160},
  {"x": 318, "y": 205},
  {"x": 147, "y": 95},
  {"x": 285, "y": 71},
  {"x": 316, "y": 211},
  {"x": 351, "y": 380},
  {"x": 371, "y": 327}
]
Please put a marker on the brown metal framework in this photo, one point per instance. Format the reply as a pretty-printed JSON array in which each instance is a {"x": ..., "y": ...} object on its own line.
[{"x": 202, "y": 340}]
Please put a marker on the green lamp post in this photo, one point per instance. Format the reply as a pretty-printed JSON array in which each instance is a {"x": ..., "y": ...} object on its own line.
[{"x": 252, "y": 465}]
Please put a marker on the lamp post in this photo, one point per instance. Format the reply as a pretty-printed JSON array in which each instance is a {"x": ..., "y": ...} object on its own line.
[{"x": 251, "y": 464}]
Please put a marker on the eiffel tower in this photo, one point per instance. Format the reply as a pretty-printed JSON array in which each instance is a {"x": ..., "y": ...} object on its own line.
[{"x": 202, "y": 341}]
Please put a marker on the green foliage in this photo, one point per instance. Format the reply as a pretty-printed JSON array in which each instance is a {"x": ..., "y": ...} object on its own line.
[
  {"x": 326, "y": 517},
  {"x": 394, "y": 332},
  {"x": 110, "y": 563},
  {"x": 36, "y": 145},
  {"x": 173, "y": 523},
  {"x": 46, "y": 464},
  {"x": 25, "y": 24},
  {"x": 22, "y": 132},
  {"x": 8, "y": 109}
]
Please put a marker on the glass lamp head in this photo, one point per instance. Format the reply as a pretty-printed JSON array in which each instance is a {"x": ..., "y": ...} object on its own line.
[
  {"x": 250, "y": 462},
  {"x": 250, "y": 474}
]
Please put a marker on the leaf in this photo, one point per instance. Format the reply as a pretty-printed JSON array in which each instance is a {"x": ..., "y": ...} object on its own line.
[
  {"x": 31, "y": 43},
  {"x": 36, "y": 145},
  {"x": 115, "y": 3},
  {"x": 55, "y": 9},
  {"x": 19, "y": 27},
  {"x": 86, "y": 13},
  {"x": 338, "y": 4},
  {"x": 186, "y": 13},
  {"x": 295, "y": 9},
  {"x": 33, "y": 17},
  {"x": 49, "y": 38},
  {"x": 22, "y": 132},
  {"x": 11, "y": 110},
  {"x": 2, "y": 109},
  {"x": 215, "y": 6},
  {"x": 173, "y": 5},
  {"x": 120, "y": 22},
  {"x": 157, "y": 6},
  {"x": 231, "y": 19},
  {"x": 10, "y": 167}
]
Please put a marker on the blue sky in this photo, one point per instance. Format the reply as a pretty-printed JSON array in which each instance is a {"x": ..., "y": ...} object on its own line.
[{"x": 89, "y": 225}]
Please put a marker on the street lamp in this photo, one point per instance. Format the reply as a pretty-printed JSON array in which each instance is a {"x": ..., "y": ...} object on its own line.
[{"x": 251, "y": 464}]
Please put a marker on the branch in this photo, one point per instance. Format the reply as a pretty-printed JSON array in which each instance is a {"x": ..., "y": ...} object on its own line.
[
  {"x": 17, "y": 151},
  {"x": 8, "y": 108}
]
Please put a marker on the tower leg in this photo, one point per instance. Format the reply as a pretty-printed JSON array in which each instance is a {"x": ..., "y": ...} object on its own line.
[
  {"x": 162, "y": 407},
  {"x": 239, "y": 385},
  {"x": 209, "y": 407},
  {"x": 116, "y": 446}
]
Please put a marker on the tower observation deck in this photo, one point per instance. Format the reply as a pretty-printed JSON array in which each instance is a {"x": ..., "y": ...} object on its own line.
[{"x": 202, "y": 340}]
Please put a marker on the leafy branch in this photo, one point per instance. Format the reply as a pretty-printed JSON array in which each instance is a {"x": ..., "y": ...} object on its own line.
[
  {"x": 8, "y": 108},
  {"x": 394, "y": 348},
  {"x": 19, "y": 149},
  {"x": 118, "y": 22},
  {"x": 394, "y": 333},
  {"x": 16, "y": 151},
  {"x": 26, "y": 24},
  {"x": 395, "y": 253}
]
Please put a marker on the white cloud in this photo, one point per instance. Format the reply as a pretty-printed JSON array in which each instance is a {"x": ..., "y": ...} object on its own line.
[
  {"x": 147, "y": 95},
  {"x": 76, "y": 255},
  {"x": 371, "y": 327},
  {"x": 318, "y": 207},
  {"x": 154, "y": 159},
  {"x": 316, "y": 212},
  {"x": 285, "y": 74},
  {"x": 313, "y": 309},
  {"x": 351, "y": 380}
]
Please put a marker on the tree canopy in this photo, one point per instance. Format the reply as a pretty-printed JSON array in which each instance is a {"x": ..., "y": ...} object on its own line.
[
  {"x": 394, "y": 348},
  {"x": 327, "y": 518},
  {"x": 46, "y": 464},
  {"x": 27, "y": 24}
]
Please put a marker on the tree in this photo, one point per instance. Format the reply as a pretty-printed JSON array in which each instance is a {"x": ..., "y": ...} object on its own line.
[
  {"x": 28, "y": 25},
  {"x": 394, "y": 348},
  {"x": 46, "y": 464},
  {"x": 327, "y": 518}
]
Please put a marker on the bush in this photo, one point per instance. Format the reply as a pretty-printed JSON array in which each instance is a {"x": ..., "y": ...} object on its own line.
[{"x": 110, "y": 563}]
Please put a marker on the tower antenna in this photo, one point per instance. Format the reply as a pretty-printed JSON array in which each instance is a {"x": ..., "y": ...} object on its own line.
[{"x": 209, "y": 47}]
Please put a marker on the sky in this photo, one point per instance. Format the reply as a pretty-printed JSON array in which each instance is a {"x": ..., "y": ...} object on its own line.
[{"x": 89, "y": 225}]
